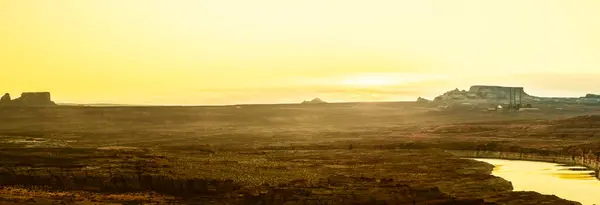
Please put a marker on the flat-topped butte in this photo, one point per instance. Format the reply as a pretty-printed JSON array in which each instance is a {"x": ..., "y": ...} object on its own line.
[
  {"x": 500, "y": 94},
  {"x": 28, "y": 99}
]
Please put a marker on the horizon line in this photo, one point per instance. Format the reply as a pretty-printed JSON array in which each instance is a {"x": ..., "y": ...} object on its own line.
[{"x": 218, "y": 105}]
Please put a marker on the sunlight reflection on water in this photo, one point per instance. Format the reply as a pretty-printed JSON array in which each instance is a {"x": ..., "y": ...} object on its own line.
[{"x": 568, "y": 182}]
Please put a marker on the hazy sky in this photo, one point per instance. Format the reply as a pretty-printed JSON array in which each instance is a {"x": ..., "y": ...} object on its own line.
[{"x": 271, "y": 51}]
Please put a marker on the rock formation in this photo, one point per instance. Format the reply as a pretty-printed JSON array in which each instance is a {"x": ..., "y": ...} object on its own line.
[
  {"x": 592, "y": 96},
  {"x": 315, "y": 101},
  {"x": 423, "y": 100},
  {"x": 5, "y": 100},
  {"x": 28, "y": 99},
  {"x": 482, "y": 94}
]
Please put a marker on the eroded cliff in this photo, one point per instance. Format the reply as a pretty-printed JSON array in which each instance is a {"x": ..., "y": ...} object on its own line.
[
  {"x": 501, "y": 94},
  {"x": 28, "y": 99}
]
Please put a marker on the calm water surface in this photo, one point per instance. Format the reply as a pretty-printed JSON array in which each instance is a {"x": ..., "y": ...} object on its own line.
[{"x": 568, "y": 182}]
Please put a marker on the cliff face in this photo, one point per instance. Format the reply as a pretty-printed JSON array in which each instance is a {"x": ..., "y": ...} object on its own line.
[
  {"x": 484, "y": 94},
  {"x": 498, "y": 92},
  {"x": 5, "y": 100},
  {"x": 28, "y": 99},
  {"x": 500, "y": 95}
]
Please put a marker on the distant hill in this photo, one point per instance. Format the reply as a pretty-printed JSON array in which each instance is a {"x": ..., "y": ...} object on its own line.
[
  {"x": 315, "y": 101},
  {"x": 592, "y": 96},
  {"x": 501, "y": 94}
]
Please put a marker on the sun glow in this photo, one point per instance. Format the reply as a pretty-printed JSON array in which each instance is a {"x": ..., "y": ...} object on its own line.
[
  {"x": 385, "y": 79},
  {"x": 370, "y": 80},
  {"x": 239, "y": 51}
]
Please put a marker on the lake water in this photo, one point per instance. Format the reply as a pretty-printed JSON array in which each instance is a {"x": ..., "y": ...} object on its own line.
[{"x": 568, "y": 182}]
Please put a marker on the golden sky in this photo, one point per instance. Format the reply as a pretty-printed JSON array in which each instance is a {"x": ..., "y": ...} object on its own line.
[{"x": 275, "y": 51}]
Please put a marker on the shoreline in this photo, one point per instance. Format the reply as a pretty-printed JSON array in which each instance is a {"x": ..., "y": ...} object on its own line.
[
  {"x": 583, "y": 161},
  {"x": 532, "y": 157},
  {"x": 524, "y": 183}
]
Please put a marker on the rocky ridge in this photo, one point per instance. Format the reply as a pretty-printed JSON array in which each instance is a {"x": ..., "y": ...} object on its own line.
[
  {"x": 28, "y": 99},
  {"x": 480, "y": 94}
]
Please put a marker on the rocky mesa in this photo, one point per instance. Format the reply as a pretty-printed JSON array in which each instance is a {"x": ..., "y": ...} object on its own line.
[
  {"x": 478, "y": 94},
  {"x": 28, "y": 99}
]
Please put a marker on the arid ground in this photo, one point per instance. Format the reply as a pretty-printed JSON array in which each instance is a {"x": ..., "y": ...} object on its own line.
[{"x": 354, "y": 153}]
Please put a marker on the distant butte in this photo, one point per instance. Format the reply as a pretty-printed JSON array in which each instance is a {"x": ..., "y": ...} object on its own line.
[
  {"x": 315, "y": 101},
  {"x": 500, "y": 94},
  {"x": 28, "y": 99},
  {"x": 592, "y": 96}
]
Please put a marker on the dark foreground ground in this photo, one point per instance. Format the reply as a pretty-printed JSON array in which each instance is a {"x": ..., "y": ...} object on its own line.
[{"x": 368, "y": 153}]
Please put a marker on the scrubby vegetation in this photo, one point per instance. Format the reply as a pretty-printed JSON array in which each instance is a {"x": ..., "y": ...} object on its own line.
[{"x": 386, "y": 153}]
